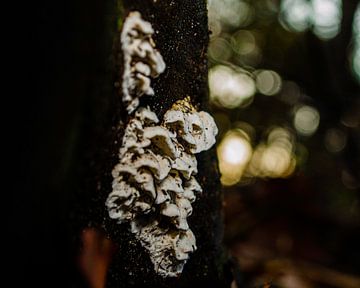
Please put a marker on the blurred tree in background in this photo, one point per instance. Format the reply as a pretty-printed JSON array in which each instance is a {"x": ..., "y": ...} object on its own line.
[{"x": 284, "y": 86}]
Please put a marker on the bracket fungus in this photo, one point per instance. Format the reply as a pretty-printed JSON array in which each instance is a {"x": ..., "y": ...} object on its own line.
[
  {"x": 153, "y": 183},
  {"x": 141, "y": 60},
  {"x": 195, "y": 129}
]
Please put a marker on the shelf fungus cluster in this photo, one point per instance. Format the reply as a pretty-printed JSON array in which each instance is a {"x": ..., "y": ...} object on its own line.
[
  {"x": 154, "y": 183},
  {"x": 141, "y": 60}
]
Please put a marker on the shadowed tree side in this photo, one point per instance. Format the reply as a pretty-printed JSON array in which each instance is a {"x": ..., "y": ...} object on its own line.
[{"x": 76, "y": 121}]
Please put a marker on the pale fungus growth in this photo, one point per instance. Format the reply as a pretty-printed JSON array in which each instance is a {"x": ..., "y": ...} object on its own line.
[
  {"x": 196, "y": 129},
  {"x": 169, "y": 249},
  {"x": 154, "y": 181},
  {"x": 141, "y": 60}
]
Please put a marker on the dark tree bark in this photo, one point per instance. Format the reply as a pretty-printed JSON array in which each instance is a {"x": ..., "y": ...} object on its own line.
[
  {"x": 71, "y": 126},
  {"x": 182, "y": 37}
]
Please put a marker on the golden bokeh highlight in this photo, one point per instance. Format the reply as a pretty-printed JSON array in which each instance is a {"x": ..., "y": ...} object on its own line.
[
  {"x": 274, "y": 158},
  {"x": 234, "y": 153}
]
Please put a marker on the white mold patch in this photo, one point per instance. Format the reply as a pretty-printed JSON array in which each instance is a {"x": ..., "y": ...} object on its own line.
[
  {"x": 141, "y": 60},
  {"x": 154, "y": 184}
]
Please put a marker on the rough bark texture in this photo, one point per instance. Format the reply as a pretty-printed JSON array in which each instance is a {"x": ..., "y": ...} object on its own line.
[{"x": 182, "y": 38}]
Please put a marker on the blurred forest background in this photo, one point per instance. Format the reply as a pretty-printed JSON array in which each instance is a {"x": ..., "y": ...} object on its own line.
[{"x": 284, "y": 88}]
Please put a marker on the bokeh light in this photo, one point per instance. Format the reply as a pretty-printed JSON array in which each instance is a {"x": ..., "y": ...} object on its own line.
[
  {"x": 274, "y": 158},
  {"x": 219, "y": 49},
  {"x": 229, "y": 88},
  {"x": 351, "y": 117},
  {"x": 230, "y": 13},
  {"x": 278, "y": 162},
  {"x": 323, "y": 16},
  {"x": 356, "y": 63},
  {"x": 356, "y": 39},
  {"x": 295, "y": 15},
  {"x": 335, "y": 140},
  {"x": 349, "y": 181},
  {"x": 268, "y": 82},
  {"x": 306, "y": 120},
  {"x": 234, "y": 153},
  {"x": 243, "y": 42},
  {"x": 246, "y": 47},
  {"x": 326, "y": 19}
]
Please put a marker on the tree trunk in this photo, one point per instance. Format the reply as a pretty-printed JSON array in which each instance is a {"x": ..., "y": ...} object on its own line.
[{"x": 181, "y": 35}]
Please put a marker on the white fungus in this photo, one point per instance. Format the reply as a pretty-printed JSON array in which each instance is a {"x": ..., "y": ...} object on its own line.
[
  {"x": 153, "y": 182},
  {"x": 141, "y": 60}
]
